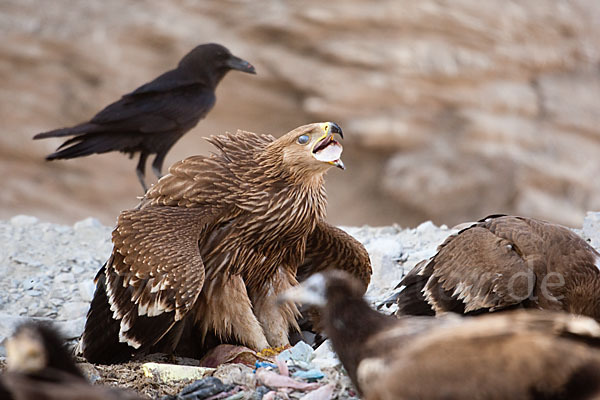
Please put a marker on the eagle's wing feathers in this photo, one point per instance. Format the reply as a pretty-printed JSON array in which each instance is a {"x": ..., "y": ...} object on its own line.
[
  {"x": 476, "y": 269},
  {"x": 154, "y": 275},
  {"x": 329, "y": 247}
]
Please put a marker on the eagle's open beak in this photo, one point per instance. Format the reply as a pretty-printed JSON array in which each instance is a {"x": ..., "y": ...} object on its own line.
[{"x": 327, "y": 149}]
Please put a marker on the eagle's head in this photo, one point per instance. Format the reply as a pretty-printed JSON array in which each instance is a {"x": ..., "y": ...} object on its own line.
[{"x": 310, "y": 149}]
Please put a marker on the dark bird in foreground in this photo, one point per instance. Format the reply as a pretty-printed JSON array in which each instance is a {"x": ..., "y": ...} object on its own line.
[
  {"x": 153, "y": 117},
  {"x": 211, "y": 245},
  {"x": 39, "y": 367},
  {"x": 512, "y": 356},
  {"x": 505, "y": 262}
]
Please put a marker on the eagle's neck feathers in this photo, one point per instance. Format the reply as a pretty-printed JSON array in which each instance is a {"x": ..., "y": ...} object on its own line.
[{"x": 270, "y": 213}]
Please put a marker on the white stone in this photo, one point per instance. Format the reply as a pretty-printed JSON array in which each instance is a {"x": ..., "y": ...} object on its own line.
[
  {"x": 74, "y": 310},
  {"x": 591, "y": 228},
  {"x": 87, "y": 223},
  {"x": 86, "y": 289},
  {"x": 172, "y": 373},
  {"x": 23, "y": 220},
  {"x": 324, "y": 356},
  {"x": 71, "y": 328}
]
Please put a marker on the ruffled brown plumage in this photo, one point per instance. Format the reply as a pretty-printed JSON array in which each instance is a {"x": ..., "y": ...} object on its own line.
[
  {"x": 506, "y": 262},
  {"x": 214, "y": 241}
]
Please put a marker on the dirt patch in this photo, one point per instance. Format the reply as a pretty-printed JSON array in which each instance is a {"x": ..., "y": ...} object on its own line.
[{"x": 131, "y": 376}]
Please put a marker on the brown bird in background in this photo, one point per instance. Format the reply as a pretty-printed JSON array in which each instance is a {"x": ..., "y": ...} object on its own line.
[
  {"x": 39, "y": 367},
  {"x": 153, "y": 117},
  {"x": 505, "y": 262},
  {"x": 510, "y": 356},
  {"x": 212, "y": 244}
]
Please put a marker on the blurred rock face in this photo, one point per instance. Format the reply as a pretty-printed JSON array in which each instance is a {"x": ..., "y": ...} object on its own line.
[{"x": 452, "y": 109}]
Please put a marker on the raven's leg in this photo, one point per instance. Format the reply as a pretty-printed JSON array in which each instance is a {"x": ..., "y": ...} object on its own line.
[
  {"x": 140, "y": 170},
  {"x": 158, "y": 163}
]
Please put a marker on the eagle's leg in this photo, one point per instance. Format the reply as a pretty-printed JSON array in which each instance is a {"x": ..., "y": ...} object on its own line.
[
  {"x": 225, "y": 309},
  {"x": 276, "y": 319}
]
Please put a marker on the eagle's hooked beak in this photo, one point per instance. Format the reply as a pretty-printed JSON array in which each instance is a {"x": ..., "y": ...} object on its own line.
[
  {"x": 327, "y": 149},
  {"x": 339, "y": 164}
]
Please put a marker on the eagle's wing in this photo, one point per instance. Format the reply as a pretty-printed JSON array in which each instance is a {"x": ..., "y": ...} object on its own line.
[
  {"x": 475, "y": 269},
  {"x": 329, "y": 247},
  {"x": 151, "y": 280}
]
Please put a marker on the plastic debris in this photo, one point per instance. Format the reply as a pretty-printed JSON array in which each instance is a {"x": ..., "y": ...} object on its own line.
[
  {"x": 201, "y": 389},
  {"x": 171, "y": 372},
  {"x": 325, "y": 357},
  {"x": 260, "y": 392},
  {"x": 322, "y": 393},
  {"x": 300, "y": 355},
  {"x": 311, "y": 375},
  {"x": 274, "y": 380},
  {"x": 270, "y": 395},
  {"x": 264, "y": 364},
  {"x": 237, "y": 374},
  {"x": 228, "y": 353},
  {"x": 234, "y": 393},
  {"x": 282, "y": 367},
  {"x": 237, "y": 396},
  {"x": 272, "y": 351}
]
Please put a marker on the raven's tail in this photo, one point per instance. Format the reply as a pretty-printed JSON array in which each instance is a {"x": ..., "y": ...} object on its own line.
[
  {"x": 83, "y": 145},
  {"x": 75, "y": 130}
]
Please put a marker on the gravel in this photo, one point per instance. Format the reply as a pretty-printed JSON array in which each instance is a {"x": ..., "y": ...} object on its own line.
[{"x": 48, "y": 271}]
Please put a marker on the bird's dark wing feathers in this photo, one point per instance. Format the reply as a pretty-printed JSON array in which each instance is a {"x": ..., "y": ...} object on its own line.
[
  {"x": 170, "y": 80},
  {"x": 148, "y": 112}
]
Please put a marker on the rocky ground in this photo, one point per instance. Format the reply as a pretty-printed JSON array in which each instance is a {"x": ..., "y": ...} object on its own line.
[{"x": 48, "y": 269}]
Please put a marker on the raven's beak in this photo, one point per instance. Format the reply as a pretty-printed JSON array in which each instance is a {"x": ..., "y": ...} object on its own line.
[{"x": 241, "y": 65}]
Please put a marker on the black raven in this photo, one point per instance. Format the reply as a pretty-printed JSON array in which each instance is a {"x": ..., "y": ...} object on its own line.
[{"x": 154, "y": 116}]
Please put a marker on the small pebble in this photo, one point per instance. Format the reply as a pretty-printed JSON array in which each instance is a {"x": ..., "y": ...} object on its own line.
[{"x": 65, "y": 277}]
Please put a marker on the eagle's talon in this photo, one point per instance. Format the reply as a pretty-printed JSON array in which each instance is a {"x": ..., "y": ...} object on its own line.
[{"x": 272, "y": 351}]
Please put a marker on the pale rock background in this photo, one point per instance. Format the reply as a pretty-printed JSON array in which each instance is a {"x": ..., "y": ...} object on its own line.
[{"x": 451, "y": 109}]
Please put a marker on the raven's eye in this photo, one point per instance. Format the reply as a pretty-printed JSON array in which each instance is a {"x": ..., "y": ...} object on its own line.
[{"x": 303, "y": 139}]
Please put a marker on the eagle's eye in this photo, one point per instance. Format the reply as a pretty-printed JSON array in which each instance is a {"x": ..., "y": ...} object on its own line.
[{"x": 303, "y": 139}]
